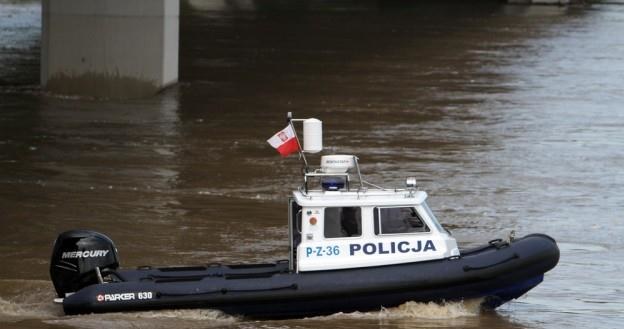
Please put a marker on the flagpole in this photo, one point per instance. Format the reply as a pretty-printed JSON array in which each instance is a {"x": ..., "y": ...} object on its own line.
[{"x": 290, "y": 120}]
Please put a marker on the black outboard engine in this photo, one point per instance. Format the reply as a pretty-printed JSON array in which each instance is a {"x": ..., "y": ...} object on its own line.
[{"x": 79, "y": 259}]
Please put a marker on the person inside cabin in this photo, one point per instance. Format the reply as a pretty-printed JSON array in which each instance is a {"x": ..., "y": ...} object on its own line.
[
  {"x": 350, "y": 221},
  {"x": 393, "y": 221}
]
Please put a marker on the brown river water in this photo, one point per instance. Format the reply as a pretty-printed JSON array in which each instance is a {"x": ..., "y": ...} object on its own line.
[{"x": 511, "y": 118}]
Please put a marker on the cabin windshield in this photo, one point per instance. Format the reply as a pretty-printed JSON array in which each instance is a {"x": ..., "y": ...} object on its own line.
[
  {"x": 433, "y": 218},
  {"x": 398, "y": 220}
]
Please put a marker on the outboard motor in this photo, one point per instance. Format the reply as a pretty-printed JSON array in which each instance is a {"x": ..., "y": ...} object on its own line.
[{"x": 79, "y": 258}]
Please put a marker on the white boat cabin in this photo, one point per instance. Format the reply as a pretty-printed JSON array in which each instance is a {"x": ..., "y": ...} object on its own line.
[{"x": 339, "y": 227}]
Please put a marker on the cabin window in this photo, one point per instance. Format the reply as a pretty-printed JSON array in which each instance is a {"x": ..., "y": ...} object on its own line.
[
  {"x": 341, "y": 222},
  {"x": 398, "y": 220}
]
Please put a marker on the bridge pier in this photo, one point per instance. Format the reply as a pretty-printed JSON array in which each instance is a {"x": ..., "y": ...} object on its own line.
[{"x": 109, "y": 48}]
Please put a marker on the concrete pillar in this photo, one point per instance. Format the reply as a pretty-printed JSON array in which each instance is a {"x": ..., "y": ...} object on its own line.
[{"x": 109, "y": 48}]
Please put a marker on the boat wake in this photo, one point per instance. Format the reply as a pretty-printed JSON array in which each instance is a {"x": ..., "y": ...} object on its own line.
[
  {"x": 414, "y": 310},
  {"x": 194, "y": 314},
  {"x": 27, "y": 299},
  {"x": 202, "y": 318},
  {"x": 194, "y": 318},
  {"x": 11, "y": 309},
  {"x": 433, "y": 310}
]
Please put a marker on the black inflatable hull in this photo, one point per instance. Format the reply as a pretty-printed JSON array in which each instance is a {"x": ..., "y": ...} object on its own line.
[{"x": 497, "y": 273}]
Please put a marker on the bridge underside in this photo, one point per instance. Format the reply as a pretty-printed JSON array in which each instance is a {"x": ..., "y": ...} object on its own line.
[{"x": 118, "y": 48}]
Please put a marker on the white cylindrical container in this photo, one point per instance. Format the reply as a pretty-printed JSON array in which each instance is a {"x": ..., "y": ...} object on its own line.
[{"x": 312, "y": 135}]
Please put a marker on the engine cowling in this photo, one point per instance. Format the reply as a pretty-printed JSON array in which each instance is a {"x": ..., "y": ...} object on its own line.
[{"x": 79, "y": 258}]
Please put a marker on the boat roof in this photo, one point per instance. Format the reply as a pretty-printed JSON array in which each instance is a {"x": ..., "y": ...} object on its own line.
[{"x": 369, "y": 197}]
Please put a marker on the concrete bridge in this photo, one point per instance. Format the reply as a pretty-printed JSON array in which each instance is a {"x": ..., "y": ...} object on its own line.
[{"x": 117, "y": 48}]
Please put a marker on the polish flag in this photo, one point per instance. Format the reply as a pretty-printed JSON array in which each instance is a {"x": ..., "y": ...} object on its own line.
[{"x": 285, "y": 141}]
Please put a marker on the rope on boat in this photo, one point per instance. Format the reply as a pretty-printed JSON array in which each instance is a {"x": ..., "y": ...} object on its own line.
[
  {"x": 471, "y": 268},
  {"x": 224, "y": 291}
]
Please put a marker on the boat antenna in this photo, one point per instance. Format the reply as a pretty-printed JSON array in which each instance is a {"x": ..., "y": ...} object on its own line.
[
  {"x": 289, "y": 120},
  {"x": 357, "y": 165}
]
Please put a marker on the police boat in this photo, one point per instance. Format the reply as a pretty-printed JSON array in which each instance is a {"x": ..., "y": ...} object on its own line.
[{"x": 354, "y": 246}]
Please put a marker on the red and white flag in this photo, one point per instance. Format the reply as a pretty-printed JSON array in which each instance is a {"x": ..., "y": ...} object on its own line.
[{"x": 284, "y": 141}]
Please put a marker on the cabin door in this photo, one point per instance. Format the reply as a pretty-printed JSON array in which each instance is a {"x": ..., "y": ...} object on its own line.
[{"x": 294, "y": 231}]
